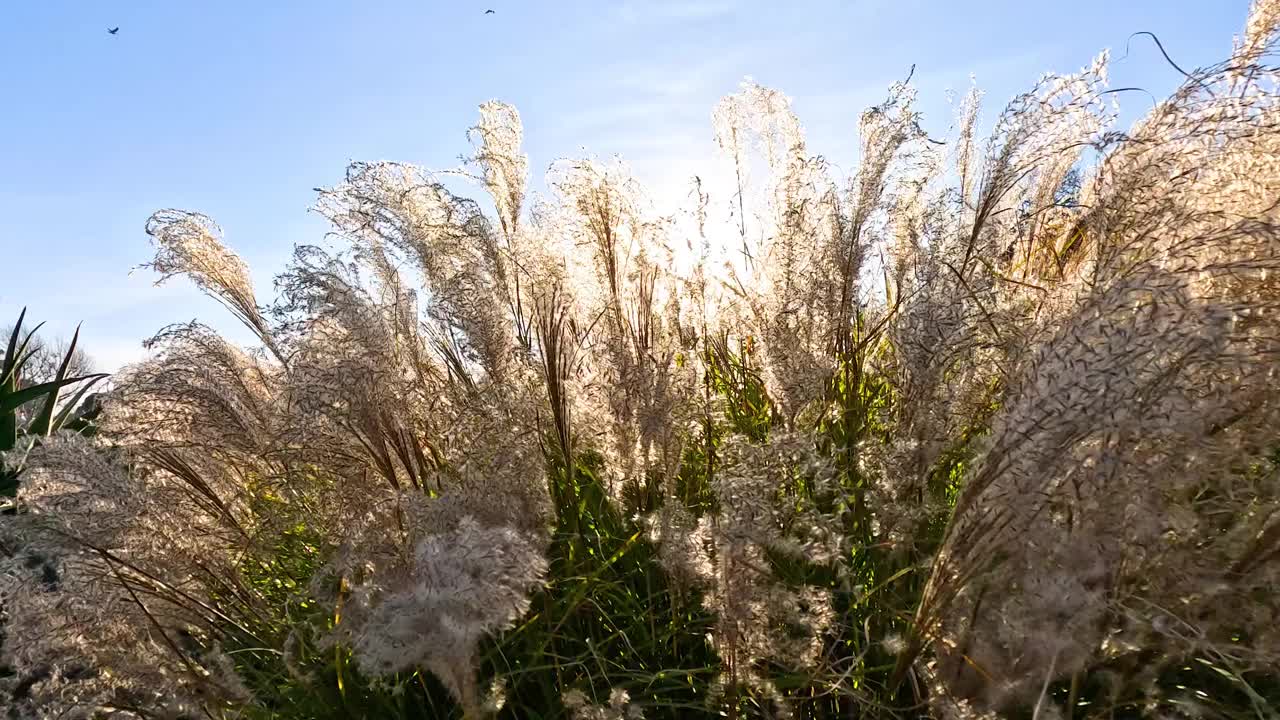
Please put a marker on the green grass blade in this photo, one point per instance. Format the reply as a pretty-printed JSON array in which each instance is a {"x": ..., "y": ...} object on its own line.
[
  {"x": 43, "y": 424},
  {"x": 8, "y": 424},
  {"x": 15, "y": 360},
  {"x": 65, "y": 414},
  {"x": 17, "y": 399},
  {"x": 9, "y": 354}
]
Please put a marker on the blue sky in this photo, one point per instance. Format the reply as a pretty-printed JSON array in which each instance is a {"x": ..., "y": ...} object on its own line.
[{"x": 237, "y": 108}]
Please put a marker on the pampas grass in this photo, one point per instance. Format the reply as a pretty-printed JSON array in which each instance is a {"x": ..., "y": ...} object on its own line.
[{"x": 987, "y": 429}]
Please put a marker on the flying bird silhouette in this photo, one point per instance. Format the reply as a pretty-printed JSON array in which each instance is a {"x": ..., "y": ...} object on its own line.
[
  {"x": 488, "y": 12},
  {"x": 113, "y": 31}
]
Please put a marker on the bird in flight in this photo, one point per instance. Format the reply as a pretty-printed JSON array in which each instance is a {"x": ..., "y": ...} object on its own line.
[
  {"x": 488, "y": 12},
  {"x": 113, "y": 31}
]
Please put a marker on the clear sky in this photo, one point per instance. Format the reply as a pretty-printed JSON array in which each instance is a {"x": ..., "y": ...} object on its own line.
[{"x": 237, "y": 108}]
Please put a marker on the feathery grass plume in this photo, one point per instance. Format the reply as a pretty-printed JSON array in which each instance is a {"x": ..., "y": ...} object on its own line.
[
  {"x": 365, "y": 392},
  {"x": 756, "y": 117},
  {"x": 250, "y": 455},
  {"x": 889, "y": 132},
  {"x": 618, "y": 707},
  {"x": 452, "y": 243},
  {"x": 965, "y": 140},
  {"x": 198, "y": 384},
  {"x": 1108, "y": 510},
  {"x": 1036, "y": 140},
  {"x": 505, "y": 175},
  {"x": 505, "y": 168},
  {"x": 443, "y": 408},
  {"x": 93, "y": 648},
  {"x": 783, "y": 282},
  {"x": 601, "y": 213},
  {"x": 1062, "y": 507},
  {"x": 201, "y": 424},
  {"x": 90, "y": 627},
  {"x": 558, "y": 348},
  {"x": 1259, "y": 32},
  {"x": 190, "y": 244},
  {"x": 632, "y": 310},
  {"x": 685, "y": 544},
  {"x": 768, "y": 513},
  {"x": 431, "y": 611},
  {"x": 454, "y": 437},
  {"x": 972, "y": 283}
]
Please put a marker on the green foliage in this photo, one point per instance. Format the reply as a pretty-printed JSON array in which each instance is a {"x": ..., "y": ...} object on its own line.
[
  {"x": 52, "y": 416},
  {"x": 608, "y": 619}
]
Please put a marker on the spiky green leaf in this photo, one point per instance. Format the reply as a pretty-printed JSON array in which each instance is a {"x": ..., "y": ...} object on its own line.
[
  {"x": 43, "y": 423},
  {"x": 13, "y": 401}
]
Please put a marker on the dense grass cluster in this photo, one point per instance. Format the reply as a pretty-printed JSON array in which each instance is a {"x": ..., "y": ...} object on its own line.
[{"x": 987, "y": 429}]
